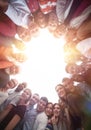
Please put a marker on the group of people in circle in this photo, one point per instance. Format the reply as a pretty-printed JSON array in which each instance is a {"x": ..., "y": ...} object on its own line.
[{"x": 20, "y": 109}]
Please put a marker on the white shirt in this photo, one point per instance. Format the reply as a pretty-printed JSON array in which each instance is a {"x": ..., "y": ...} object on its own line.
[
  {"x": 40, "y": 122},
  {"x": 18, "y": 12}
]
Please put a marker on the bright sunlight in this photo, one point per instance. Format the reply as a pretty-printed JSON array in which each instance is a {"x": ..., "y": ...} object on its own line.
[{"x": 44, "y": 68}]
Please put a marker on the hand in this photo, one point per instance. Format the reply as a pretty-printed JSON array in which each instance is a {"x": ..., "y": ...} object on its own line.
[{"x": 54, "y": 120}]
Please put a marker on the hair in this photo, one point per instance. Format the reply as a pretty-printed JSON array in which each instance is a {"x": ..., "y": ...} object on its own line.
[
  {"x": 49, "y": 116},
  {"x": 76, "y": 104},
  {"x": 56, "y": 104},
  {"x": 30, "y": 94},
  {"x": 36, "y": 94},
  {"x": 49, "y": 103},
  {"x": 59, "y": 85},
  {"x": 44, "y": 99}
]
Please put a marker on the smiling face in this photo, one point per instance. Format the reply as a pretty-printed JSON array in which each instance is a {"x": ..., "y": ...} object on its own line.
[
  {"x": 56, "y": 110},
  {"x": 41, "y": 19},
  {"x": 24, "y": 33},
  {"x": 34, "y": 29},
  {"x": 52, "y": 22},
  {"x": 26, "y": 94},
  {"x": 11, "y": 84},
  {"x": 49, "y": 109},
  {"x": 60, "y": 89},
  {"x": 34, "y": 99},
  {"x": 42, "y": 105}
]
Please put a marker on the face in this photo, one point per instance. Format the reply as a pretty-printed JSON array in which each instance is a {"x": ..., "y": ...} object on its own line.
[
  {"x": 53, "y": 22},
  {"x": 26, "y": 94},
  {"x": 78, "y": 78},
  {"x": 61, "y": 91},
  {"x": 12, "y": 70},
  {"x": 49, "y": 109},
  {"x": 56, "y": 110},
  {"x": 19, "y": 57},
  {"x": 34, "y": 99},
  {"x": 24, "y": 34},
  {"x": 70, "y": 35},
  {"x": 34, "y": 29},
  {"x": 41, "y": 19},
  {"x": 41, "y": 106},
  {"x": 68, "y": 83},
  {"x": 11, "y": 84},
  {"x": 21, "y": 86},
  {"x": 60, "y": 30}
]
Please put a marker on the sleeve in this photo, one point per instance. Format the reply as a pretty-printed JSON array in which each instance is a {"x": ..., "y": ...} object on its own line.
[
  {"x": 18, "y": 12},
  {"x": 20, "y": 110},
  {"x": 77, "y": 21},
  {"x": 60, "y": 9}
]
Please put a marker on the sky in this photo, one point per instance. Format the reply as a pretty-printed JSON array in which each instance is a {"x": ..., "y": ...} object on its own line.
[{"x": 45, "y": 66}]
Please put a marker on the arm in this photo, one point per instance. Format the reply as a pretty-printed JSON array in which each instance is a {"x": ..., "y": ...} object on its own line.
[
  {"x": 13, "y": 122},
  {"x": 5, "y": 112}
]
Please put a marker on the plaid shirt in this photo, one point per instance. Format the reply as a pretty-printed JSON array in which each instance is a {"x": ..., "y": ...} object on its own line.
[
  {"x": 33, "y": 5},
  {"x": 47, "y": 6}
]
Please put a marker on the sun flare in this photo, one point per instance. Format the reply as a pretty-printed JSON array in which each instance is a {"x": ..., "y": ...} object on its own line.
[{"x": 44, "y": 68}]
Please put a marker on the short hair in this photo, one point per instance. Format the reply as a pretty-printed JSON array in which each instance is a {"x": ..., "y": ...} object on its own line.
[
  {"x": 36, "y": 94},
  {"x": 44, "y": 99}
]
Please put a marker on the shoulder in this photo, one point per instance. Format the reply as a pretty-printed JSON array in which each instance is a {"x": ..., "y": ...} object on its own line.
[{"x": 42, "y": 116}]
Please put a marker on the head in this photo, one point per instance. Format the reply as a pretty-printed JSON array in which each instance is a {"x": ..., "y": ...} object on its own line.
[
  {"x": 41, "y": 19},
  {"x": 26, "y": 94},
  {"x": 24, "y": 33},
  {"x": 73, "y": 68},
  {"x": 33, "y": 28},
  {"x": 70, "y": 35},
  {"x": 71, "y": 54},
  {"x": 78, "y": 78},
  {"x": 53, "y": 21},
  {"x": 34, "y": 99},
  {"x": 18, "y": 44},
  {"x": 18, "y": 57},
  {"x": 60, "y": 30},
  {"x": 4, "y": 78},
  {"x": 11, "y": 84},
  {"x": 21, "y": 86},
  {"x": 49, "y": 109},
  {"x": 68, "y": 83},
  {"x": 56, "y": 109},
  {"x": 61, "y": 91},
  {"x": 12, "y": 70},
  {"x": 42, "y": 104}
]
